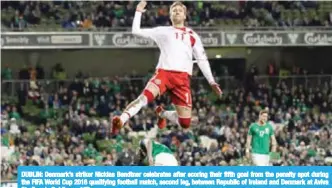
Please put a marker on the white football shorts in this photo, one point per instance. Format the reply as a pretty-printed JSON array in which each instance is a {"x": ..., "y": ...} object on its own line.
[
  {"x": 261, "y": 159},
  {"x": 165, "y": 159}
]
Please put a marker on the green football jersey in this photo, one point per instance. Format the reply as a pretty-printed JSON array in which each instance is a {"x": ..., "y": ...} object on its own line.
[
  {"x": 261, "y": 134},
  {"x": 158, "y": 148}
]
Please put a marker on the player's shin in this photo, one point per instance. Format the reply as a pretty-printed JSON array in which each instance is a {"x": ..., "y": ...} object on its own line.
[{"x": 133, "y": 108}]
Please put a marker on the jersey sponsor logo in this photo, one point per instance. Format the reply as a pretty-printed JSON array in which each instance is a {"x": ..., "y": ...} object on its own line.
[
  {"x": 100, "y": 39},
  {"x": 318, "y": 38}
]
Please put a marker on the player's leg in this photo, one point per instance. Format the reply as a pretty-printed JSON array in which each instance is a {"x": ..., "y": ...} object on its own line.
[
  {"x": 184, "y": 116},
  {"x": 255, "y": 159},
  {"x": 155, "y": 87},
  {"x": 267, "y": 160},
  {"x": 171, "y": 115},
  {"x": 147, "y": 96},
  {"x": 162, "y": 114},
  {"x": 181, "y": 116},
  {"x": 181, "y": 98}
]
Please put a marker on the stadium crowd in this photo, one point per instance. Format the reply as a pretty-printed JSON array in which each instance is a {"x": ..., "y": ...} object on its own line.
[
  {"x": 69, "y": 125},
  {"x": 34, "y": 15}
]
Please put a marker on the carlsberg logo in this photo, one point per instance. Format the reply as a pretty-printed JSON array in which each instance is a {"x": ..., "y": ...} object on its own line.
[
  {"x": 318, "y": 38},
  {"x": 130, "y": 40},
  {"x": 261, "y": 39}
]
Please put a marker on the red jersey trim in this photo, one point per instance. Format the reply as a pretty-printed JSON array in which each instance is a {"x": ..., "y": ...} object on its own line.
[{"x": 180, "y": 28}]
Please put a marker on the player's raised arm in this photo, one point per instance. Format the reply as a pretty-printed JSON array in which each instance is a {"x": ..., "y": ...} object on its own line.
[
  {"x": 136, "y": 27},
  {"x": 204, "y": 65}
]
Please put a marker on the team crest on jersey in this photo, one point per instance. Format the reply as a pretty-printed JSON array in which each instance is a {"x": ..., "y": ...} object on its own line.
[
  {"x": 157, "y": 81},
  {"x": 267, "y": 130}
]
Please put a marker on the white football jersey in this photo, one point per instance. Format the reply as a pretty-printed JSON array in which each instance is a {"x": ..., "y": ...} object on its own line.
[{"x": 177, "y": 47}]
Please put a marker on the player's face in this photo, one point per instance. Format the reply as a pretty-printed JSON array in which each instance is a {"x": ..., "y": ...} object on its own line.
[
  {"x": 178, "y": 14},
  {"x": 263, "y": 118}
]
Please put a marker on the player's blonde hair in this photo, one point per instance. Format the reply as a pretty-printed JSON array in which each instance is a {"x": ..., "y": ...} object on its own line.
[
  {"x": 263, "y": 112},
  {"x": 178, "y": 3}
]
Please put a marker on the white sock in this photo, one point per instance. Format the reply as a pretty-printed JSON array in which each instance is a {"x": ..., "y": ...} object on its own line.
[
  {"x": 133, "y": 108},
  {"x": 171, "y": 116}
]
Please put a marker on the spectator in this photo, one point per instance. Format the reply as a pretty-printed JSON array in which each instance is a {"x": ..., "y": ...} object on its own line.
[
  {"x": 40, "y": 72},
  {"x": 14, "y": 114},
  {"x": 6, "y": 73},
  {"x": 24, "y": 73},
  {"x": 32, "y": 73},
  {"x": 18, "y": 22},
  {"x": 87, "y": 23},
  {"x": 67, "y": 23},
  {"x": 68, "y": 133},
  {"x": 74, "y": 15}
]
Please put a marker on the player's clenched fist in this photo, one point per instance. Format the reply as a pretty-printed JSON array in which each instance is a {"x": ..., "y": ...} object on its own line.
[{"x": 141, "y": 6}]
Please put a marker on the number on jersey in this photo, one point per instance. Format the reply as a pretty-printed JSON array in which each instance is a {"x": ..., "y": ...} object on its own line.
[{"x": 181, "y": 36}]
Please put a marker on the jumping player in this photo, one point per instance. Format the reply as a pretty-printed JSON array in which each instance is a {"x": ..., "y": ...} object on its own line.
[
  {"x": 157, "y": 153},
  {"x": 178, "y": 45},
  {"x": 258, "y": 140}
]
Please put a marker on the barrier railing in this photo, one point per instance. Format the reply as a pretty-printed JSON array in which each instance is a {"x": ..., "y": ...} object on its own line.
[
  {"x": 12, "y": 87},
  {"x": 125, "y": 39}
]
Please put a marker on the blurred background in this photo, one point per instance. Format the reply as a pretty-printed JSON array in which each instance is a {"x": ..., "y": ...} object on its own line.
[{"x": 68, "y": 67}]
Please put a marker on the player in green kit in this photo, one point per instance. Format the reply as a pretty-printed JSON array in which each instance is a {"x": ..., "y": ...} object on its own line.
[
  {"x": 260, "y": 135},
  {"x": 158, "y": 154}
]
